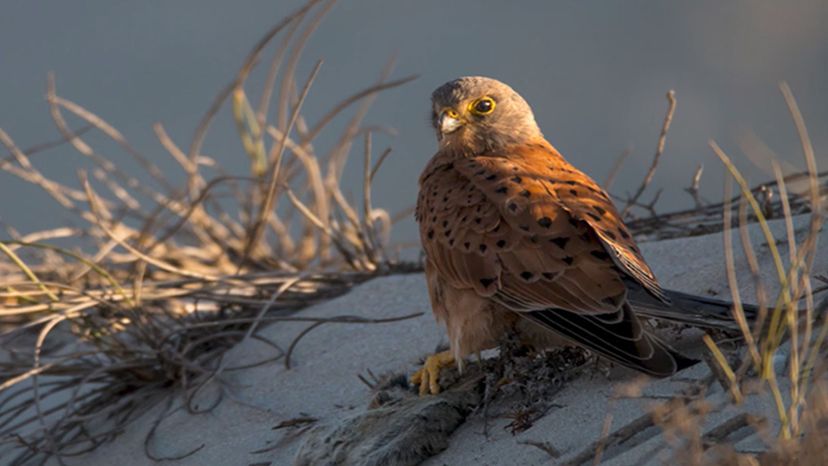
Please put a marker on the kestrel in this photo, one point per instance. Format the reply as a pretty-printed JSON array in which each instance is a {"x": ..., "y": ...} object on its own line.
[{"x": 516, "y": 238}]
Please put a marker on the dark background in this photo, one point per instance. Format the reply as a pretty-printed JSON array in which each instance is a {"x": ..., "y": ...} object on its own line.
[{"x": 595, "y": 73}]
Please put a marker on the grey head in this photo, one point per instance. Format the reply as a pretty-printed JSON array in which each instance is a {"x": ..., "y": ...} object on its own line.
[{"x": 478, "y": 114}]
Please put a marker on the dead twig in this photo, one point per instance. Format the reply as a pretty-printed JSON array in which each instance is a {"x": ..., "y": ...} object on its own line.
[{"x": 662, "y": 140}]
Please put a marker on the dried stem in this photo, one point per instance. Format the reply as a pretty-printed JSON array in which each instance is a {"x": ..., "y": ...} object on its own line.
[{"x": 662, "y": 140}]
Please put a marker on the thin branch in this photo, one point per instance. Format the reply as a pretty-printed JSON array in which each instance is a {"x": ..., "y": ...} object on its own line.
[{"x": 662, "y": 140}]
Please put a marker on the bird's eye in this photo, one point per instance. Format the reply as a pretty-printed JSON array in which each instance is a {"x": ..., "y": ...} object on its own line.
[{"x": 483, "y": 106}]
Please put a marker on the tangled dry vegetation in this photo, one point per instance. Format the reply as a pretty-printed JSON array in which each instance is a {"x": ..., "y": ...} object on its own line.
[
  {"x": 791, "y": 327},
  {"x": 161, "y": 279},
  {"x": 790, "y": 330}
]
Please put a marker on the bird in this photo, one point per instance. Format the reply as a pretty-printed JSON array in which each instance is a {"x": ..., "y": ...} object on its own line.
[{"x": 515, "y": 238}]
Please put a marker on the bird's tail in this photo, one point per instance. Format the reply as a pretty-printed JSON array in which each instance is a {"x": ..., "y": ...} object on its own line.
[
  {"x": 618, "y": 336},
  {"x": 688, "y": 309}
]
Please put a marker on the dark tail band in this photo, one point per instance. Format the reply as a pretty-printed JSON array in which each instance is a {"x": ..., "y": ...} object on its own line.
[{"x": 619, "y": 337}]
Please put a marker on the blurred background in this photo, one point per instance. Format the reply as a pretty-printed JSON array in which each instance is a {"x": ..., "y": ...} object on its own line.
[{"x": 595, "y": 73}]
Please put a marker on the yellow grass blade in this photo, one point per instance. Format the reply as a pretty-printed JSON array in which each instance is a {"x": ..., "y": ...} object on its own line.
[{"x": 27, "y": 271}]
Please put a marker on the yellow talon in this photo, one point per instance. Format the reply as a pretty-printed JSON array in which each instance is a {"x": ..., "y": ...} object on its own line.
[{"x": 429, "y": 375}]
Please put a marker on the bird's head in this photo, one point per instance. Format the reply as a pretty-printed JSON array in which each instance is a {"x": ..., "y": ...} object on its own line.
[{"x": 478, "y": 114}]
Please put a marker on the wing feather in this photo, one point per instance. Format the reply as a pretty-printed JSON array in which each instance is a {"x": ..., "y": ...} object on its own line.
[
  {"x": 529, "y": 229},
  {"x": 557, "y": 195}
]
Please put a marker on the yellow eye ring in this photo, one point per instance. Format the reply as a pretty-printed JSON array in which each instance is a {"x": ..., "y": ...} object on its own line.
[{"x": 482, "y": 106}]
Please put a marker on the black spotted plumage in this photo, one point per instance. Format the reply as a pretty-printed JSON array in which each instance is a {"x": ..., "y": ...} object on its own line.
[{"x": 559, "y": 259}]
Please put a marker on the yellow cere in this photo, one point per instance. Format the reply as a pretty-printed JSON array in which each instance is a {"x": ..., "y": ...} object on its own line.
[{"x": 450, "y": 112}]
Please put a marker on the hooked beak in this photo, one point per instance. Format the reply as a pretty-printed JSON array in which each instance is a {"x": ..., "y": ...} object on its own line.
[{"x": 449, "y": 121}]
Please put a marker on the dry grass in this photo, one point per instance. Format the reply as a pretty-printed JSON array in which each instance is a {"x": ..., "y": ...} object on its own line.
[
  {"x": 790, "y": 330},
  {"x": 161, "y": 279},
  {"x": 791, "y": 327}
]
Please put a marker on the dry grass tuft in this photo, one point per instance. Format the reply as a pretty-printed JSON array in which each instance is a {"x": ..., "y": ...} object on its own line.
[
  {"x": 782, "y": 358},
  {"x": 791, "y": 329},
  {"x": 159, "y": 280}
]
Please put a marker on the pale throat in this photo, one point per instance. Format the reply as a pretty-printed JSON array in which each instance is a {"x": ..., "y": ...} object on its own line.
[{"x": 470, "y": 143}]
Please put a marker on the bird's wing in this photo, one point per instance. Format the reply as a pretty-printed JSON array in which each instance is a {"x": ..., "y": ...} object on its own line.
[
  {"x": 539, "y": 237},
  {"x": 532, "y": 181},
  {"x": 490, "y": 224}
]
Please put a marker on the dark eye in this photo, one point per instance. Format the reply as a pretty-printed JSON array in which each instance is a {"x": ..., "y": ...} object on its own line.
[{"x": 483, "y": 106}]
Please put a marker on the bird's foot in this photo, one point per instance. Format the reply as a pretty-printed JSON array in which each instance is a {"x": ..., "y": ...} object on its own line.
[{"x": 428, "y": 377}]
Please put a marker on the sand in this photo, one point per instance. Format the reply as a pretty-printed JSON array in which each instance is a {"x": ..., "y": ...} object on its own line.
[{"x": 323, "y": 384}]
